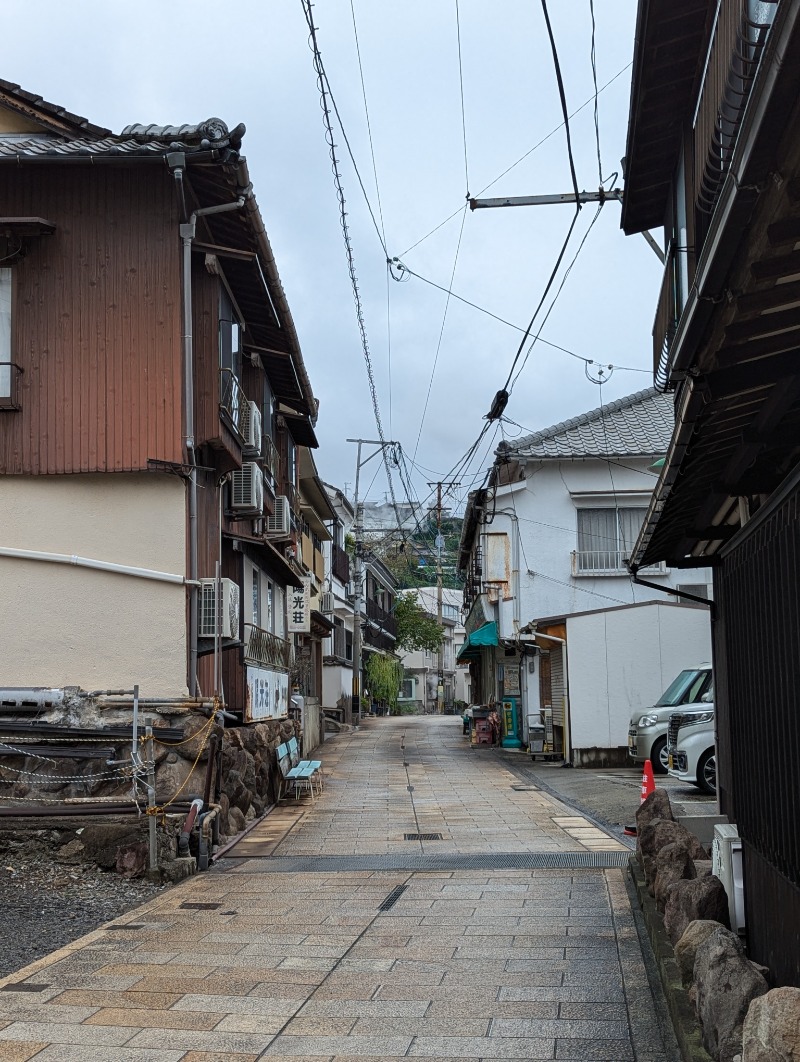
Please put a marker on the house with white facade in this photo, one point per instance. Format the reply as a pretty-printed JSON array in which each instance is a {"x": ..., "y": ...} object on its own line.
[
  {"x": 337, "y": 669},
  {"x": 421, "y": 667},
  {"x": 557, "y": 629}
]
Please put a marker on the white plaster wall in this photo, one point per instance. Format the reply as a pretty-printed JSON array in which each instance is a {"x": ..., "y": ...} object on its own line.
[
  {"x": 68, "y": 626},
  {"x": 622, "y": 660},
  {"x": 336, "y": 680},
  {"x": 547, "y": 522}
]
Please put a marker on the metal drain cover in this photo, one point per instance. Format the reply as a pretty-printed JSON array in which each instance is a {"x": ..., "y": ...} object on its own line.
[
  {"x": 525, "y": 788},
  {"x": 187, "y": 906},
  {"x": 422, "y": 837}
]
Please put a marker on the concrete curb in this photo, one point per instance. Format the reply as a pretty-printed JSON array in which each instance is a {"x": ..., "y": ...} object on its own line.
[{"x": 684, "y": 1019}]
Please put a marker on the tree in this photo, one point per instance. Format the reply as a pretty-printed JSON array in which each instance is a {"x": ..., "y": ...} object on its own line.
[
  {"x": 384, "y": 675},
  {"x": 416, "y": 629}
]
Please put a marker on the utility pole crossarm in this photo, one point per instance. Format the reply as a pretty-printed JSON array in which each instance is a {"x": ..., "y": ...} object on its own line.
[{"x": 600, "y": 196}]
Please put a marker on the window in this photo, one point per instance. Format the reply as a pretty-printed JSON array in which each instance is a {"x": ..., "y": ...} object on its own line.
[
  {"x": 407, "y": 690},
  {"x": 291, "y": 461},
  {"x": 5, "y": 338},
  {"x": 231, "y": 395},
  {"x": 256, "y": 598},
  {"x": 606, "y": 538}
]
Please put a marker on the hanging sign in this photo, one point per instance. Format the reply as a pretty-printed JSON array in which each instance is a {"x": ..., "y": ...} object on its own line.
[{"x": 298, "y": 608}]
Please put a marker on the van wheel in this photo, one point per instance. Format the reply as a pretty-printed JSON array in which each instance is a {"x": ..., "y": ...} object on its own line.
[
  {"x": 658, "y": 756},
  {"x": 707, "y": 772}
]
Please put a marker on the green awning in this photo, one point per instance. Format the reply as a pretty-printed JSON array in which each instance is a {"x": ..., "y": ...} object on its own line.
[{"x": 471, "y": 649}]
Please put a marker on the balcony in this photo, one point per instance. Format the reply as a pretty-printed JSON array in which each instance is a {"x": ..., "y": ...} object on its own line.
[
  {"x": 384, "y": 620},
  {"x": 606, "y": 562},
  {"x": 231, "y": 400},
  {"x": 265, "y": 648},
  {"x": 668, "y": 313},
  {"x": 271, "y": 462},
  {"x": 340, "y": 564}
]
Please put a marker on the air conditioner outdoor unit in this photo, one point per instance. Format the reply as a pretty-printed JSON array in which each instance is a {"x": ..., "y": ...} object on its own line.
[
  {"x": 326, "y": 602},
  {"x": 726, "y": 864},
  {"x": 350, "y": 591},
  {"x": 226, "y": 611},
  {"x": 250, "y": 428},
  {"x": 279, "y": 523},
  {"x": 247, "y": 489}
]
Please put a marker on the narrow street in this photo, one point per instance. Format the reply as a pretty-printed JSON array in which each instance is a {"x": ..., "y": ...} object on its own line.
[{"x": 428, "y": 904}]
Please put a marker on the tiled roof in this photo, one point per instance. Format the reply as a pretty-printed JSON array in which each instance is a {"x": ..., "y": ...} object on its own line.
[
  {"x": 36, "y": 102},
  {"x": 45, "y": 146},
  {"x": 640, "y": 424}
]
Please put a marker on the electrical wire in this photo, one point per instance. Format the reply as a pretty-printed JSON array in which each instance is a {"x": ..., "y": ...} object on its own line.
[
  {"x": 513, "y": 165},
  {"x": 441, "y": 332},
  {"x": 324, "y": 90},
  {"x": 563, "y": 98},
  {"x": 463, "y": 112},
  {"x": 593, "y": 55},
  {"x": 518, "y": 328}
]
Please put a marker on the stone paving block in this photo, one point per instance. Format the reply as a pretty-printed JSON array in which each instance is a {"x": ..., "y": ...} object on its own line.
[
  {"x": 594, "y": 1051},
  {"x": 259, "y": 1006},
  {"x": 151, "y": 1019},
  {"x": 249, "y": 1023},
  {"x": 63, "y": 1033},
  {"x": 479, "y": 1047},
  {"x": 80, "y": 999},
  {"x": 213, "y": 1041},
  {"x": 71, "y": 1053},
  {"x": 586, "y": 993},
  {"x": 20, "y": 1051},
  {"x": 27, "y": 1008},
  {"x": 355, "y": 1046},
  {"x": 594, "y": 1011},
  {"x": 561, "y": 1029}
]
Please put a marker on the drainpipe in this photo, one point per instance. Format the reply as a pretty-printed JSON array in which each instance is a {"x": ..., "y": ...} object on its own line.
[
  {"x": 177, "y": 162},
  {"x": 186, "y": 830},
  {"x": 98, "y": 565}
]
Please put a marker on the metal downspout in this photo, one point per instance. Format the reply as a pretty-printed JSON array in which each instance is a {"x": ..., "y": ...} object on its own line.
[{"x": 187, "y": 233}]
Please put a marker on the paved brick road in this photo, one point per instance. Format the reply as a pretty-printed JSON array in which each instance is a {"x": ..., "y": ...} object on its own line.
[{"x": 331, "y": 936}]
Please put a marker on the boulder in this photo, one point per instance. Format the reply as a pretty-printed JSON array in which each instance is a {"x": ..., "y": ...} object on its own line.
[
  {"x": 656, "y": 806},
  {"x": 236, "y": 820},
  {"x": 688, "y": 901},
  {"x": 772, "y": 1027},
  {"x": 102, "y": 840},
  {"x": 671, "y": 863},
  {"x": 702, "y": 868},
  {"x": 133, "y": 859},
  {"x": 695, "y": 934},
  {"x": 658, "y": 833},
  {"x": 726, "y": 985}
]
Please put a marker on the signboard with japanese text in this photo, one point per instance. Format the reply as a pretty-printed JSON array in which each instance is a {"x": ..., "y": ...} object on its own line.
[
  {"x": 298, "y": 608},
  {"x": 511, "y": 681},
  {"x": 267, "y": 694}
]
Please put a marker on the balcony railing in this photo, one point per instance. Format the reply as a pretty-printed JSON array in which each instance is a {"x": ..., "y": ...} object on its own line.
[
  {"x": 265, "y": 648},
  {"x": 340, "y": 563},
  {"x": 271, "y": 461},
  {"x": 605, "y": 562},
  {"x": 385, "y": 620},
  {"x": 666, "y": 322},
  {"x": 231, "y": 400}
]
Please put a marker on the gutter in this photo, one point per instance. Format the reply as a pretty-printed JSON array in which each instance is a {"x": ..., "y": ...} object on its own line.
[{"x": 98, "y": 565}]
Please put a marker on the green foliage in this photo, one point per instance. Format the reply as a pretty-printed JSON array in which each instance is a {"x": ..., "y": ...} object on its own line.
[
  {"x": 415, "y": 628},
  {"x": 413, "y": 562},
  {"x": 404, "y": 709},
  {"x": 384, "y": 677}
]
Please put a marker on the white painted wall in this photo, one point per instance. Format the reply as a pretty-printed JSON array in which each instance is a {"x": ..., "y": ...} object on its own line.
[
  {"x": 621, "y": 660},
  {"x": 66, "y": 626}
]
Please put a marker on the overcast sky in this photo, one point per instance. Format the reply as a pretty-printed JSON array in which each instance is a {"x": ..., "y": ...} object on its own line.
[{"x": 250, "y": 62}]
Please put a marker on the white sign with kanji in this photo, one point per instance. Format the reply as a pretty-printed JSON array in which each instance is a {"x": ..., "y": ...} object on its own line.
[{"x": 298, "y": 608}]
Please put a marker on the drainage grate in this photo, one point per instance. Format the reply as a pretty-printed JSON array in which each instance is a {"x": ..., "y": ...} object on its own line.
[
  {"x": 525, "y": 788},
  {"x": 392, "y": 898},
  {"x": 187, "y": 906},
  {"x": 422, "y": 837},
  {"x": 132, "y": 925},
  {"x": 440, "y": 861},
  {"x": 23, "y": 986}
]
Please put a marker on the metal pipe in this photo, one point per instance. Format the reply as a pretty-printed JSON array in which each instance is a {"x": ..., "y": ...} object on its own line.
[
  {"x": 98, "y": 565},
  {"x": 187, "y": 233},
  {"x": 186, "y": 829}
]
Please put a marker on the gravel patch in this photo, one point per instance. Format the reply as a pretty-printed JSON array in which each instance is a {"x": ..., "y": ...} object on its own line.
[{"x": 47, "y": 904}]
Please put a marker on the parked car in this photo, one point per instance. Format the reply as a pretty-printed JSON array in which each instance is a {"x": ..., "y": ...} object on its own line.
[
  {"x": 691, "y": 749},
  {"x": 647, "y": 736}
]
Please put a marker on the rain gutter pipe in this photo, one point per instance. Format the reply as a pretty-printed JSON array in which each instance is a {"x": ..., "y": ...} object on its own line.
[
  {"x": 186, "y": 829},
  {"x": 177, "y": 163},
  {"x": 98, "y": 565}
]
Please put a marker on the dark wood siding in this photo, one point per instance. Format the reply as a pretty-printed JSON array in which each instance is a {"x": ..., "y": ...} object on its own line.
[
  {"x": 96, "y": 321},
  {"x": 757, "y": 648}
]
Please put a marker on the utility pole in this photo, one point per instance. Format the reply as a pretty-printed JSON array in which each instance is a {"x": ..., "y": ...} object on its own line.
[
  {"x": 439, "y": 608},
  {"x": 358, "y": 575},
  {"x": 600, "y": 196}
]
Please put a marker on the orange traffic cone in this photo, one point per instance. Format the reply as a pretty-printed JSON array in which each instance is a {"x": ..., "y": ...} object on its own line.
[{"x": 648, "y": 782}]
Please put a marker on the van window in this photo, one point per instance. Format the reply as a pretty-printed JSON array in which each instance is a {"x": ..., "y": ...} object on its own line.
[{"x": 687, "y": 688}]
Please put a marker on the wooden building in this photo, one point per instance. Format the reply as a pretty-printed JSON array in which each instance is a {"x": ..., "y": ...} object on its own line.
[
  {"x": 154, "y": 414},
  {"x": 713, "y": 156}
]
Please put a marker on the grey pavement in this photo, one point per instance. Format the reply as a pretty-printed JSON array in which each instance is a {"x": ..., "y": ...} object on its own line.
[{"x": 511, "y": 937}]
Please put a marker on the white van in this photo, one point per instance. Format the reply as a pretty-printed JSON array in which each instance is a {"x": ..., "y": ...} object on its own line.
[
  {"x": 647, "y": 735},
  {"x": 691, "y": 748}
]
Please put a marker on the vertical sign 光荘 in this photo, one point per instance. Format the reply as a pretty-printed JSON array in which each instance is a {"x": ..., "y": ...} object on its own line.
[{"x": 298, "y": 608}]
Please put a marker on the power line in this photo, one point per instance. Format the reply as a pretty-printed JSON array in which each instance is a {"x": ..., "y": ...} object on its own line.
[
  {"x": 563, "y": 98},
  {"x": 441, "y": 332},
  {"x": 463, "y": 113},
  {"x": 518, "y": 328},
  {"x": 513, "y": 165},
  {"x": 594, "y": 80},
  {"x": 324, "y": 90}
]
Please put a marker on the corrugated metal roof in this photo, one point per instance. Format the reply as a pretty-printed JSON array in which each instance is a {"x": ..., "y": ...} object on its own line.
[{"x": 640, "y": 424}]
